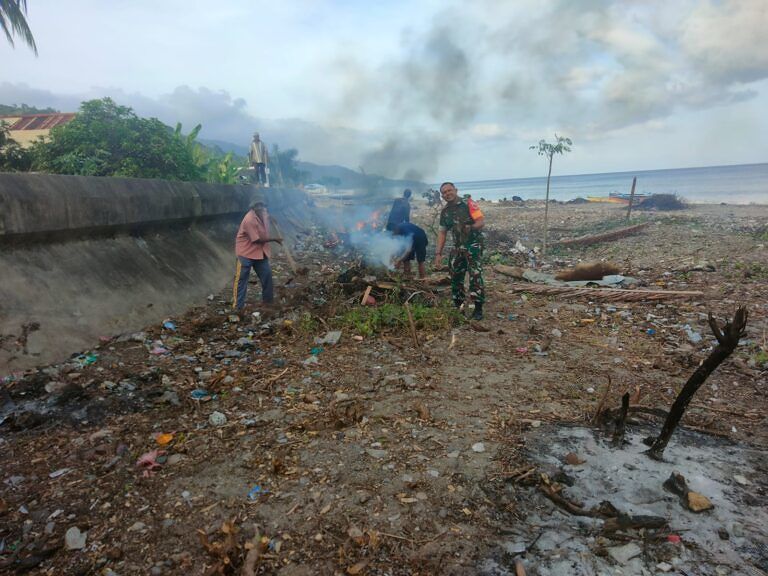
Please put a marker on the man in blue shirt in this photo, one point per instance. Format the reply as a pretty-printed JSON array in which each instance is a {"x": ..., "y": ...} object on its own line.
[
  {"x": 401, "y": 211},
  {"x": 418, "y": 247}
]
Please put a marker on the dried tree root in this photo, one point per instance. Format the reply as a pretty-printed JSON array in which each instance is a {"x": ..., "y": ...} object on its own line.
[
  {"x": 727, "y": 338},
  {"x": 621, "y": 421}
]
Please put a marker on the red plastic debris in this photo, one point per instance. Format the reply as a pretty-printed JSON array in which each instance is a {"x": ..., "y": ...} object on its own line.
[{"x": 148, "y": 462}]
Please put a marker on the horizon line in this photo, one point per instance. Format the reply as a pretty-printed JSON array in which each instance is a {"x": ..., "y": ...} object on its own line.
[{"x": 457, "y": 182}]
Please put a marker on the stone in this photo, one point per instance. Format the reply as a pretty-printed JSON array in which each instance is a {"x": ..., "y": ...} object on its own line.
[
  {"x": 175, "y": 459},
  {"x": 137, "y": 527},
  {"x": 664, "y": 566},
  {"x": 217, "y": 419},
  {"x": 698, "y": 502},
  {"x": 741, "y": 480},
  {"x": 478, "y": 447},
  {"x": 573, "y": 459},
  {"x": 55, "y": 387},
  {"x": 374, "y": 453},
  {"x": 74, "y": 539},
  {"x": 625, "y": 553}
]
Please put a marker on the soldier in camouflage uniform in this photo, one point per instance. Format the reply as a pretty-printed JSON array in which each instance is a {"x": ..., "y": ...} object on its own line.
[{"x": 465, "y": 221}]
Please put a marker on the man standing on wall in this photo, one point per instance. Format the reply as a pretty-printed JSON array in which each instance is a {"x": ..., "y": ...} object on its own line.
[
  {"x": 253, "y": 251},
  {"x": 401, "y": 211},
  {"x": 465, "y": 221},
  {"x": 258, "y": 157}
]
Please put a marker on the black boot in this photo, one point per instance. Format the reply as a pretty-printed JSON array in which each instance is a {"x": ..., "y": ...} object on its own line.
[{"x": 478, "y": 313}]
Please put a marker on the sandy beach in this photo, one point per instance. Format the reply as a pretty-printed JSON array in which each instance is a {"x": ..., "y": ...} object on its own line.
[{"x": 411, "y": 451}]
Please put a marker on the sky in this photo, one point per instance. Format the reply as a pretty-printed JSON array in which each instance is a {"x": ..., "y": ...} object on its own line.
[{"x": 427, "y": 89}]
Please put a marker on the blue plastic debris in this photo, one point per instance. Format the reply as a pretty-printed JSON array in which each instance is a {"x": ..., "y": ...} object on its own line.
[
  {"x": 257, "y": 491},
  {"x": 202, "y": 395},
  {"x": 169, "y": 325}
]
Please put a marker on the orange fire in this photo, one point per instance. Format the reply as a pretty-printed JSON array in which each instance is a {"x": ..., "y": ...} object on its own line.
[{"x": 373, "y": 222}]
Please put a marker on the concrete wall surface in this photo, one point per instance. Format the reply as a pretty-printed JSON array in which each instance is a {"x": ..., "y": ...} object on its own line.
[{"x": 91, "y": 257}]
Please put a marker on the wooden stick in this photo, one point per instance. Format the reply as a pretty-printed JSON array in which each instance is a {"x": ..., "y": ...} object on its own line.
[
  {"x": 601, "y": 404},
  {"x": 412, "y": 324},
  {"x": 605, "y": 294},
  {"x": 603, "y": 236},
  {"x": 621, "y": 422},
  {"x": 284, "y": 246},
  {"x": 365, "y": 295},
  {"x": 631, "y": 198}
]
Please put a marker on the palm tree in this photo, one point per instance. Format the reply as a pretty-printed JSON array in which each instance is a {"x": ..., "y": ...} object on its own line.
[{"x": 13, "y": 21}]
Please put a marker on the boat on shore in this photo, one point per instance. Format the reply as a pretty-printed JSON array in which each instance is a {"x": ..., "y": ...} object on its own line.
[{"x": 618, "y": 198}]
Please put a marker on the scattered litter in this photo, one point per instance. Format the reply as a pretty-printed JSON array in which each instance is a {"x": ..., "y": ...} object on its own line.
[
  {"x": 59, "y": 472},
  {"x": 148, "y": 462},
  {"x": 86, "y": 360},
  {"x": 330, "y": 338},
  {"x": 169, "y": 325},
  {"x": 693, "y": 336},
  {"x": 217, "y": 419},
  {"x": 164, "y": 439},
  {"x": 200, "y": 395},
  {"x": 74, "y": 539},
  {"x": 256, "y": 491}
]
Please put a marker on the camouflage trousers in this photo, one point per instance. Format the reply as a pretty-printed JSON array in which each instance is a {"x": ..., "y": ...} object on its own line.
[{"x": 463, "y": 260}]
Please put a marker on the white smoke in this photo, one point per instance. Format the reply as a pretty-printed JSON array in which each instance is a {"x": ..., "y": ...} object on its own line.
[{"x": 380, "y": 248}]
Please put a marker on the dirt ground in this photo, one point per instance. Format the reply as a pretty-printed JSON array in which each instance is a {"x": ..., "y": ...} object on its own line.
[{"x": 379, "y": 455}]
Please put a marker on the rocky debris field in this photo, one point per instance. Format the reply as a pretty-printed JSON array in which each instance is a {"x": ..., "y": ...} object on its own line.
[{"x": 326, "y": 437}]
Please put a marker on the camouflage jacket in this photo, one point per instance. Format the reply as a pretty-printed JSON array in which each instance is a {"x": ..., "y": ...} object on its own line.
[{"x": 454, "y": 217}]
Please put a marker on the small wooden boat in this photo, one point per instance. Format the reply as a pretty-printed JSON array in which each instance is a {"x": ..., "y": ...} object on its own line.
[{"x": 617, "y": 198}]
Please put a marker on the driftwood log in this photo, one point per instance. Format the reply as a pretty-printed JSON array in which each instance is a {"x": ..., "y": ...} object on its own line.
[
  {"x": 605, "y": 294},
  {"x": 603, "y": 237},
  {"x": 727, "y": 340}
]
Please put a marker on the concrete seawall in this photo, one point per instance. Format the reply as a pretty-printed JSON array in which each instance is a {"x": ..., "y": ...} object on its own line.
[{"x": 89, "y": 257}]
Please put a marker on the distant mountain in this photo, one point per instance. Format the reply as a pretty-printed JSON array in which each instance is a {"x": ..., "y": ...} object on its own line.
[
  {"x": 351, "y": 179},
  {"x": 225, "y": 146}
]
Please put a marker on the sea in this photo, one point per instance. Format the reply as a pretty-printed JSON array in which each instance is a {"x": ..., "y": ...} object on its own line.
[{"x": 739, "y": 184}]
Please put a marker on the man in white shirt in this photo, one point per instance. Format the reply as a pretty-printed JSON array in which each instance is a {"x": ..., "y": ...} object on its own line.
[{"x": 258, "y": 157}]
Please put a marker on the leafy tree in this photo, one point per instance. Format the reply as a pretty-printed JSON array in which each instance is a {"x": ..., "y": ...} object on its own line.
[
  {"x": 13, "y": 21},
  {"x": 548, "y": 150},
  {"x": 23, "y": 109},
  {"x": 13, "y": 158},
  {"x": 215, "y": 166},
  {"x": 106, "y": 139}
]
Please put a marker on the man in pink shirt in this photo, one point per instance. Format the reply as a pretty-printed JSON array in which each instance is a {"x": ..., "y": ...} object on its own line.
[{"x": 253, "y": 251}]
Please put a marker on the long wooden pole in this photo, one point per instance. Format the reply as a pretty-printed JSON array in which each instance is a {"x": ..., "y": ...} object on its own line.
[
  {"x": 631, "y": 198},
  {"x": 546, "y": 208}
]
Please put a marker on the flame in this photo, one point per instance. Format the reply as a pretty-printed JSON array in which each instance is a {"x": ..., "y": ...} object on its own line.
[{"x": 373, "y": 222}]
